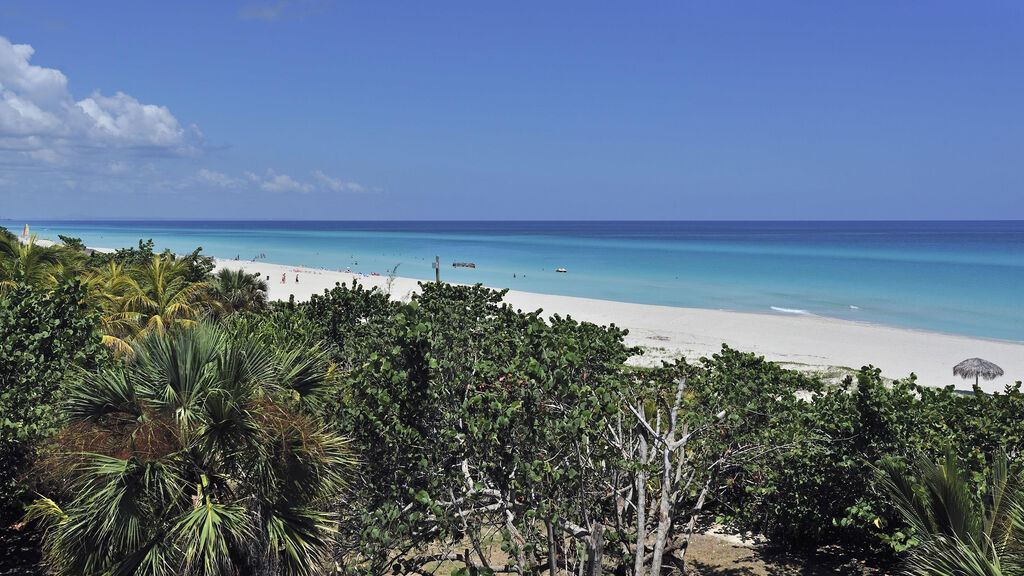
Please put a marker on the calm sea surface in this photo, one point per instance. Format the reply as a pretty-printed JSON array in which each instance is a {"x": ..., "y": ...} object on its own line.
[{"x": 961, "y": 277}]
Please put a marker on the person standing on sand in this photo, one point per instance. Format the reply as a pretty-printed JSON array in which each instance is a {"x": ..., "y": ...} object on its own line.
[
  {"x": 296, "y": 278},
  {"x": 282, "y": 278}
]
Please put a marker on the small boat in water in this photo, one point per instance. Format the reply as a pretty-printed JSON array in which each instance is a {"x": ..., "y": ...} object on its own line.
[
  {"x": 560, "y": 270},
  {"x": 463, "y": 265}
]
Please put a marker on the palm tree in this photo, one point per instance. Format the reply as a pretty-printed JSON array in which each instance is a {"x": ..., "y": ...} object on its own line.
[
  {"x": 238, "y": 291},
  {"x": 108, "y": 289},
  {"x": 961, "y": 533},
  {"x": 160, "y": 295},
  {"x": 27, "y": 263},
  {"x": 198, "y": 455}
]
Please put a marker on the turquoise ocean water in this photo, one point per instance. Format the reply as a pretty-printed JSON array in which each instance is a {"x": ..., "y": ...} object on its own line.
[{"x": 959, "y": 277}]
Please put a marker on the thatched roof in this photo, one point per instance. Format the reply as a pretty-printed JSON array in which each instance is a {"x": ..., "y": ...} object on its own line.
[{"x": 975, "y": 367}]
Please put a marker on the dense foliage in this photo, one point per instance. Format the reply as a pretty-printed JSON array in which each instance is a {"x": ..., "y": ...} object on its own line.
[
  {"x": 197, "y": 265},
  {"x": 826, "y": 490},
  {"x": 963, "y": 532},
  {"x": 43, "y": 337},
  {"x": 29, "y": 263},
  {"x": 488, "y": 439},
  {"x": 195, "y": 456},
  {"x": 800, "y": 454},
  {"x": 444, "y": 396}
]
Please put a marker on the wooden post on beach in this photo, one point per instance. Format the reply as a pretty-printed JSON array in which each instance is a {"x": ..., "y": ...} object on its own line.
[{"x": 437, "y": 269}]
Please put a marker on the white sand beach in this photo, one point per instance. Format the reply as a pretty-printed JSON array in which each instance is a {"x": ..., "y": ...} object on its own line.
[{"x": 804, "y": 342}]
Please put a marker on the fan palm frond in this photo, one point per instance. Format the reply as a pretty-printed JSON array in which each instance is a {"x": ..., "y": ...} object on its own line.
[
  {"x": 961, "y": 533},
  {"x": 193, "y": 463}
]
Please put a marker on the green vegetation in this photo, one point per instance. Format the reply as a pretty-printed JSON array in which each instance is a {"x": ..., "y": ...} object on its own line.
[
  {"x": 195, "y": 456},
  {"x": 173, "y": 421},
  {"x": 961, "y": 530},
  {"x": 238, "y": 292},
  {"x": 44, "y": 336},
  {"x": 27, "y": 263}
]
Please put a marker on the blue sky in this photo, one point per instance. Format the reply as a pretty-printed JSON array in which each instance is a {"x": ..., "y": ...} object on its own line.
[{"x": 517, "y": 110}]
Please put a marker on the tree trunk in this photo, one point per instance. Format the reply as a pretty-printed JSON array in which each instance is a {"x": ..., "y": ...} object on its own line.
[
  {"x": 664, "y": 516},
  {"x": 595, "y": 549},
  {"x": 694, "y": 512},
  {"x": 552, "y": 548},
  {"x": 517, "y": 541},
  {"x": 641, "y": 509}
]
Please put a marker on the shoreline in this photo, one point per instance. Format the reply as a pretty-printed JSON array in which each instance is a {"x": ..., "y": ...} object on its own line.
[
  {"x": 861, "y": 272},
  {"x": 829, "y": 346}
]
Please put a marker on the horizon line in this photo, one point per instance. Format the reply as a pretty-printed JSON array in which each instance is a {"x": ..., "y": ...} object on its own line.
[{"x": 552, "y": 220}]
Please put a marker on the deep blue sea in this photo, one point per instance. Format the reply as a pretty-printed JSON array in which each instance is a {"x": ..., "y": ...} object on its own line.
[{"x": 959, "y": 277}]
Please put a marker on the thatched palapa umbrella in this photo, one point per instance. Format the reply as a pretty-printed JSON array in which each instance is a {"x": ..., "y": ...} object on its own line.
[{"x": 978, "y": 368}]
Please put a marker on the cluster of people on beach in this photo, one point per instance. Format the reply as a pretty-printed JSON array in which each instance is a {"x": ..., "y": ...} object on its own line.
[{"x": 303, "y": 269}]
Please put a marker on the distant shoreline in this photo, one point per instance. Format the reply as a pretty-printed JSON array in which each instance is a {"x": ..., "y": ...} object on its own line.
[{"x": 951, "y": 277}]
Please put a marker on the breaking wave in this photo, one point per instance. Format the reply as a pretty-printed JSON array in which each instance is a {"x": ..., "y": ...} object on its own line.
[{"x": 792, "y": 311}]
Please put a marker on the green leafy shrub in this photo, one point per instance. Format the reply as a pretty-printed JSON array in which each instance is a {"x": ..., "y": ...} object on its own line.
[
  {"x": 822, "y": 489},
  {"x": 43, "y": 337}
]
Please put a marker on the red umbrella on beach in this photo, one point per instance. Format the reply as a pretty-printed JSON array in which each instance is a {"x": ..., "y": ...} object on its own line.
[{"x": 978, "y": 368}]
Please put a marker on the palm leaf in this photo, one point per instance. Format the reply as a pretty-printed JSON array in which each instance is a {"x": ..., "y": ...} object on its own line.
[
  {"x": 207, "y": 532},
  {"x": 961, "y": 533},
  {"x": 196, "y": 465}
]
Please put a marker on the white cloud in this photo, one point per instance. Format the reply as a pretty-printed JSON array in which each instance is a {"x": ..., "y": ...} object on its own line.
[
  {"x": 40, "y": 119},
  {"x": 337, "y": 184},
  {"x": 274, "y": 182},
  {"x": 217, "y": 179},
  {"x": 122, "y": 120}
]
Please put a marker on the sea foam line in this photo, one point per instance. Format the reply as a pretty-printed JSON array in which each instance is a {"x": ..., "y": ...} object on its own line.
[{"x": 792, "y": 311}]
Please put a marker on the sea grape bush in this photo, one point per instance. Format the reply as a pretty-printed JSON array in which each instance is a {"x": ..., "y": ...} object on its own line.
[
  {"x": 43, "y": 337},
  {"x": 442, "y": 395},
  {"x": 826, "y": 489},
  {"x": 471, "y": 420}
]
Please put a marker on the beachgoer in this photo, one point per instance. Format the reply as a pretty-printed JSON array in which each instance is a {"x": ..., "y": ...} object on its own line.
[
  {"x": 282, "y": 278},
  {"x": 296, "y": 278}
]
